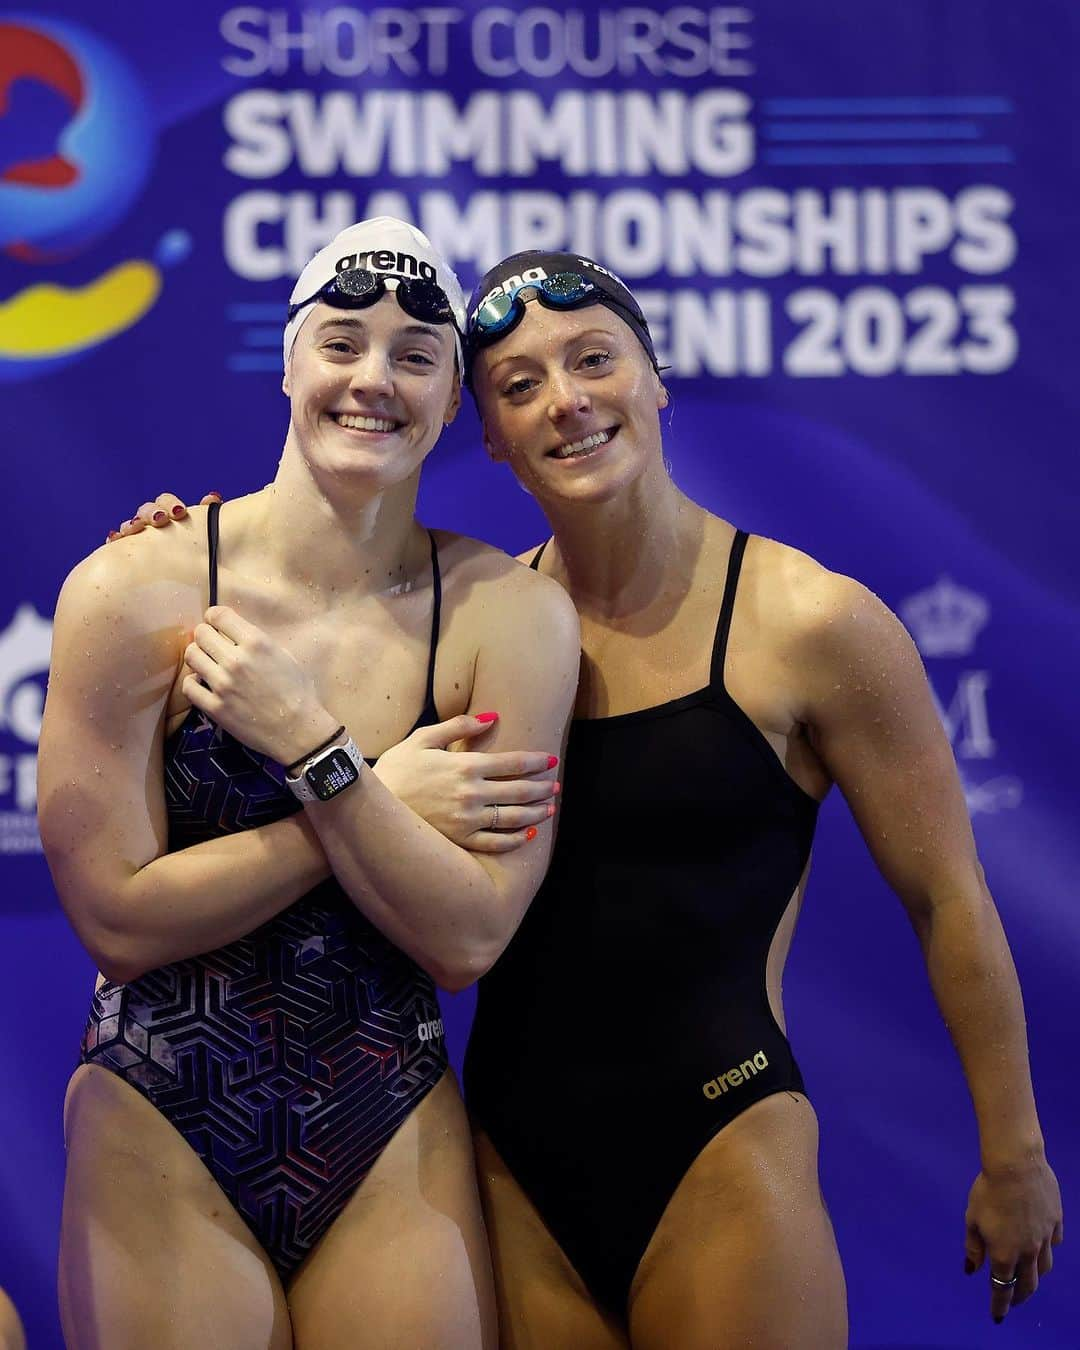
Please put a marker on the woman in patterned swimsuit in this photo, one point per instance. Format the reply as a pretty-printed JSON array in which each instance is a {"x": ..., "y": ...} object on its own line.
[{"x": 265, "y": 1147}]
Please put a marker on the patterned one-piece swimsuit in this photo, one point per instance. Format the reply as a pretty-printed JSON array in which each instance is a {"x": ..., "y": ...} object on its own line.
[{"x": 286, "y": 1059}]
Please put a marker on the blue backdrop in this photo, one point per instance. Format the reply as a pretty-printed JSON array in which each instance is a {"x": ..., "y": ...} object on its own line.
[{"x": 853, "y": 228}]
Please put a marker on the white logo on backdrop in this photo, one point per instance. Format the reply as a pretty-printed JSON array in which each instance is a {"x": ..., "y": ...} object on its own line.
[
  {"x": 24, "y": 658},
  {"x": 945, "y": 621}
]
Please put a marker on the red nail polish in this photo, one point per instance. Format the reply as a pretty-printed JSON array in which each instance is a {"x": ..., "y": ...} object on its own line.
[
  {"x": 552, "y": 761},
  {"x": 159, "y": 515},
  {"x": 178, "y": 511},
  {"x": 486, "y": 717},
  {"x": 556, "y": 787},
  {"x": 551, "y": 809},
  {"x": 530, "y": 833}
]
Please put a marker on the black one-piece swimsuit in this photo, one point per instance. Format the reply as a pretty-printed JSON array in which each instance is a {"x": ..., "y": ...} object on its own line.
[
  {"x": 286, "y": 1059},
  {"x": 628, "y": 1020}
]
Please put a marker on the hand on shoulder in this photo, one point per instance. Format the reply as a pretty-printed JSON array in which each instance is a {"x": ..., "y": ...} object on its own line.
[{"x": 131, "y": 603}]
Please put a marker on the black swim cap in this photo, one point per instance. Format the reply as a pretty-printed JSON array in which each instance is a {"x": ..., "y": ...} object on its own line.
[{"x": 536, "y": 265}]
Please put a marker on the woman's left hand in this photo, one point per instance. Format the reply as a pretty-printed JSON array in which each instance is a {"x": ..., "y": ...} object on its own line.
[
  {"x": 1013, "y": 1221},
  {"x": 242, "y": 680}
]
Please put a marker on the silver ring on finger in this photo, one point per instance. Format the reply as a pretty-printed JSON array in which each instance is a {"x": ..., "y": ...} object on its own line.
[
  {"x": 1002, "y": 1284},
  {"x": 494, "y": 816}
]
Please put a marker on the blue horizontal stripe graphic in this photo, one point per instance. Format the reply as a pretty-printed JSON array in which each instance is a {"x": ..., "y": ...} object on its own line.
[
  {"x": 262, "y": 337},
  {"x": 905, "y": 106},
  {"x": 870, "y": 131},
  {"x": 249, "y": 361},
  {"x": 892, "y": 154},
  {"x": 256, "y": 313}
]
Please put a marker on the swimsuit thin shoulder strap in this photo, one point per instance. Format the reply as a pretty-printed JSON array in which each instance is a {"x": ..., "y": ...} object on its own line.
[
  {"x": 212, "y": 512},
  {"x": 535, "y": 564},
  {"x": 727, "y": 606},
  {"x": 436, "y": 619}
]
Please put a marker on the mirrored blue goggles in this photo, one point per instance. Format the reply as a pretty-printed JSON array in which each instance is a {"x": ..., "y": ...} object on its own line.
[
  {"x": 358, "y": 288},
  {"x": 501, "y": 314}
]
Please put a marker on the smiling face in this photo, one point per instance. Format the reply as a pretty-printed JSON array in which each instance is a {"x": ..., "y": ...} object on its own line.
[
  {"x": 371, "y": 390},
  {"x": 571, "y": 401}
]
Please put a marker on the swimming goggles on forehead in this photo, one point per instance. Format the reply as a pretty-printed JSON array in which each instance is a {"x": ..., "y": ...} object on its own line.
[
  {"x": 357, "y": 288},
  {"x": 500, "y": 314}
]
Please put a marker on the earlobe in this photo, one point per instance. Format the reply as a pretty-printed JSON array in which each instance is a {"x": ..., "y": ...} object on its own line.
[{"x": 664, "y": 398}]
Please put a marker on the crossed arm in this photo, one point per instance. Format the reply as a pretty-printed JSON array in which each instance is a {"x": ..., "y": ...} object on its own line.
[{"x": 119, "y": 636}]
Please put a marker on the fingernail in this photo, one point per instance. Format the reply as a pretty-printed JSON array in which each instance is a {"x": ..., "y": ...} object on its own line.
[
  {"x": 214, "y": 494},
  {"x": 113, "y": 534},
  {"x": 487, "y": 717},
  {"x": 552, "y": 761},
  {"x": 556, "y": 787},
  {"x": 969, "y": 1266},
  {"x": 159, "y": 515},
  {"x": 178, "y": 511},
  {"x": 530, "y": 833},
  {"x": 551, "y": 810}
]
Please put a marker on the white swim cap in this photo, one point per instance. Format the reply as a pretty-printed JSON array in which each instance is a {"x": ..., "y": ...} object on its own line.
[{"x": 386, "y": 247}]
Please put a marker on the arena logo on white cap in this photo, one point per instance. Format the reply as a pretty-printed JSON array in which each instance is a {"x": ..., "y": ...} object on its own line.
[
  {"x": 24, "y": 664},
  {"x": 945, "y": 621}
]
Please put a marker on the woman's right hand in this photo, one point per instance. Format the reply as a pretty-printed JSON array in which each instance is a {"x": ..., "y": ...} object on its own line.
[
  {"x": 161, "y": 511},
  {"x": 487, "y": 803}
]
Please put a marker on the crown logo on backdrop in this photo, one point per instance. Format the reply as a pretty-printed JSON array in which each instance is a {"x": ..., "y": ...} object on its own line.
[{"x": 946, "y": 619}]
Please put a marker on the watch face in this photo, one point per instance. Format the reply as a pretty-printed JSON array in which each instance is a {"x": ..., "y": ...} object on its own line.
[{"x": 331, "y": 774}]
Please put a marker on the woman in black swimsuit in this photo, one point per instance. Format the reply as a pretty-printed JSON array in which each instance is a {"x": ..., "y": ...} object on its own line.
[
  {"x": 648, "y": 1160},
  {"x": 647, "y": 1155},
  {"x": 265, "y": 1146}
]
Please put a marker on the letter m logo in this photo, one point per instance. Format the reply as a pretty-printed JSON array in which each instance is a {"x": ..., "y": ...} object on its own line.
[{"x": 966, "y": 720}]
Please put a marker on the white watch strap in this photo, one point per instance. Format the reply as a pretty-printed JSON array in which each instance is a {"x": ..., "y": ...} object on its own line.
[{"x": 299, "y": 785}]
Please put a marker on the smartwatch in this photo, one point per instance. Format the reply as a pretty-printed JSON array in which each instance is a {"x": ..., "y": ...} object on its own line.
[{"x": 327, "y": 773}]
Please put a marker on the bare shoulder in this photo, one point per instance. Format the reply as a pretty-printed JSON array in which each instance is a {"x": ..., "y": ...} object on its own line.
[
  {"x": 812, "y": 606},
  {"x": 478, "y": 575},
  {"x": 840, "y": 646}
]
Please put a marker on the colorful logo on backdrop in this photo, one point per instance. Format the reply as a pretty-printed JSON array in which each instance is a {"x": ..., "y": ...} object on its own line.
[
  {"x": 24, "y": 664},
  {"x": 76, "y": 149}
]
